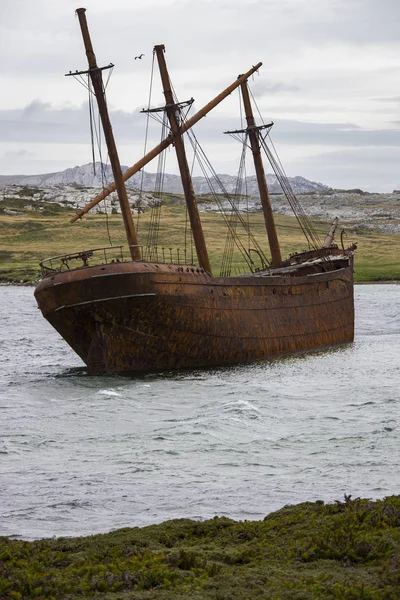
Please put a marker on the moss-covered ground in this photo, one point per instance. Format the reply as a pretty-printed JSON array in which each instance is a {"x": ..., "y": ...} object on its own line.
[
  {"x": 28, "y": 238},
  {"x": 346, "y": 550}
]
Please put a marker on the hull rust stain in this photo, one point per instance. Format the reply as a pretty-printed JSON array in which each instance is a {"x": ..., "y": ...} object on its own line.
[{"x": 137, "y": 317}]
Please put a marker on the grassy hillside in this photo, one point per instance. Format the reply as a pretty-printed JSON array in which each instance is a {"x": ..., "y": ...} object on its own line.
[
  {"x": 28, "y": 238},
  {"x": 347, "y": 550}
]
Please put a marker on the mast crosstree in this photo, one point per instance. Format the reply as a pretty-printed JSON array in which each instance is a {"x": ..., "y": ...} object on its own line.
[
  {"x": 172, "y": 114},
  {"x": 167, "y": 141},
  {"x": 95, "y": 74}
]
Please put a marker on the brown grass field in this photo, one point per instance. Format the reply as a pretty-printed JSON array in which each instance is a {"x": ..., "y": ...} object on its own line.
[{"x": 27, "y": 239}]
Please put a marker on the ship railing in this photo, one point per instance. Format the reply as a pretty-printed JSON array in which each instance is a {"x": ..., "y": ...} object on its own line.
[
  {"x": 85, "y": 258},
  {"x": 161, "y": 254}
]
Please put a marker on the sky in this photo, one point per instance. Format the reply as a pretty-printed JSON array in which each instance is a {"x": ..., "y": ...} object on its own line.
[{"x": 330, "y": 82}]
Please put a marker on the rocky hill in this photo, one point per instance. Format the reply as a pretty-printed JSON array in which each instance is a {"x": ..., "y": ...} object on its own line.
[
  {"x": 86, "y": 176},
  {"x": 74, "y": 188}
]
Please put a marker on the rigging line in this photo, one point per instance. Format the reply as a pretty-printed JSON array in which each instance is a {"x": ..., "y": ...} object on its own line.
[
  {"x": 306, "y": 222},
  {"x": 254, "y": 101},
  {"x": 255, "y": 104},
  {"x": 287, "y": 190},
  {"x": 145, "y": 141},
  {"x": 229, "y": 240},
  {"x": 238, "y": 192},
  {"x": 234, "y": 208},
  {"x": 162, "y": 163},
  {"x": 305, "y": 217},
  {"x": 97, "y": 131},
  {"x": 222, "y": 187},
  {"x": 289, "y": 197},
  {"x": 244, "y": 141},
  {"x": 240, "y": 108},
  {"x": 180, "y": 114},
  {"x": 154, "y": 217},
  {"x": 191, "y": 137},
  {"x": 310, "y": 236},
  {"x": 246, "y": 189},
  {"x": 245, "y": 192},
  {"x": 91, "y": 130},
  {"x": 107, "y": 220},
  {"x": 81, "y": 81},
  {"x": 104, "y": 166},
  {"x": 156, "y": 117},
  {"x": 93, "y": 133},
  {"x": 181, "y": 117},
  {"x": 188, "y": 230},
  {"x": 243, "y": 137},
  {"x": 228, "y": 218},
  {"x": 204, "y": 161},
  {"x": 110, "y": 71},
  {"x": 103, "y": 180},
  {"x": 301, "y": 215}
]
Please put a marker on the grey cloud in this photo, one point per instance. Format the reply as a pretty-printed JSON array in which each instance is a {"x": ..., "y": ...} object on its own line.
[
  {"x": 395, "y": 99},
  {"x": 13, "y": 154},
  {"x": 40, "y": 122},
  {"x": 350, "y": 21},
  {"x": 261, "y": 88},
  {"x": 307, "y": 133},
  {"x": 363, "y": 168},
  {"x": 334, "y": 134},
  {"x": 44, "y": 37}
]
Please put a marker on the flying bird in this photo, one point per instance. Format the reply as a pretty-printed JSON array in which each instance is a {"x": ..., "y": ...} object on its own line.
[{"x": 140, "y": 56}]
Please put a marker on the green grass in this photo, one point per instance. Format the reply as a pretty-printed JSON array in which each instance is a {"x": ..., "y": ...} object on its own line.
[
  {"x": 26, "y": 239},
  {"x": 347, "y": 550}
]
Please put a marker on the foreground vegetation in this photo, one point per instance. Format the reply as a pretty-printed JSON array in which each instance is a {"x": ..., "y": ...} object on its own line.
[
  {"x": 347, "y": 550},
  {"x": 28, "y": 238}
]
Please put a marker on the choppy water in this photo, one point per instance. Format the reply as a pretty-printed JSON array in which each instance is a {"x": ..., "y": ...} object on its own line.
[{"x": 83, "y": 454}]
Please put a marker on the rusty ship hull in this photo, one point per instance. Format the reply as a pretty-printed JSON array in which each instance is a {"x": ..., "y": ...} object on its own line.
[{"x": 138, "y": 317}]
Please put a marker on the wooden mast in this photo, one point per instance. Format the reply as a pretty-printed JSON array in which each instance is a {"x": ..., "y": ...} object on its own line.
[
  {"x": 97, "y": 81},
  {"x": 168, "y": 141},
  {"x": 253, "y": 133},
  {"x": 172, "y": 110}
]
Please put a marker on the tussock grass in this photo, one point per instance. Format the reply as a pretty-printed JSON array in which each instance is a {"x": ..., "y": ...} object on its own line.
[
  {"x": 346, "y": 550},
  {"x": 26, "y": 239}
]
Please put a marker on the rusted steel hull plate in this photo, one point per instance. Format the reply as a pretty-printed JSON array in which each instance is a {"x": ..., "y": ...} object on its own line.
[{"x": 133, "y": 317}]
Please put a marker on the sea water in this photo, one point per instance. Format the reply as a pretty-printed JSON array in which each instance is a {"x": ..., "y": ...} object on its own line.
[{"x": 84, "y": 454}]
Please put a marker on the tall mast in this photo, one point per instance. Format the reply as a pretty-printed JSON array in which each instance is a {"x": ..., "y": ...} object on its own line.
[
  {"x": 253, "y": 133},
  {"x": 172, "y": 110},
  {"x": 97, "y": 81},
  {"x": 167, "y": 141}
]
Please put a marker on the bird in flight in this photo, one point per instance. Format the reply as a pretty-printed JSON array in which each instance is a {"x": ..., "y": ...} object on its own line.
[{"x": 140, "y": 56}]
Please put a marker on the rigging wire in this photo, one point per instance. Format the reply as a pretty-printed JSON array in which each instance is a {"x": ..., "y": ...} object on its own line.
[
  {"x": 96, "y": 129},
  {"x": 95, "y": 132},
  {"x": 181, "y": 118},
  {"x": 206, "y": 167},
  {"x": 245, "y": 142},
  {"x": 213, "y": 179},
  {"x": 151, "y": 250},
  {"x": 145, "y": 144},
  {"x": 273, "y": 158},
  {"x": 230, "y": 239},
  {"x": 188, "y": 230}
]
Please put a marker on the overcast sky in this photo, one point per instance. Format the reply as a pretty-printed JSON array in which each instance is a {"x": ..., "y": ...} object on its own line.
[{"x": 330, "y": 81}]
